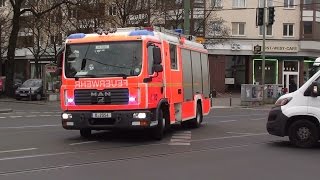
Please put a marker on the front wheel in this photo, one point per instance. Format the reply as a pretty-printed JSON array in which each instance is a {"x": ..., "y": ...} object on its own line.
[
  {"x": 158, "y": 131},
  {"x": 304, "y": 134},
  {"x": 86, "y": 133}
]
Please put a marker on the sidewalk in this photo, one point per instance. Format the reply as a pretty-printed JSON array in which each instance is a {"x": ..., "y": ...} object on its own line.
[{"x": 232, "y": 101}]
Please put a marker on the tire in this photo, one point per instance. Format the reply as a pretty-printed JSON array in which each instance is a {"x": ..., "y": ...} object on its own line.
[
  {"x": 86, "y": 133},
  {"x": 303, "y": 133},
  {"x": 38, "y": 97},
  {"x": 158, "y": 132},
  {"x": 196, "y": 122}
]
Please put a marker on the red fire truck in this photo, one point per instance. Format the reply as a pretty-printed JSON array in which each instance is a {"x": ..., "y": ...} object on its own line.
[{"x": 133, "y": 78}]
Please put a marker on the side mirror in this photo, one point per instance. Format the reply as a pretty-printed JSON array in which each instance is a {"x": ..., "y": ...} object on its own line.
[
  {"x": 157, "y": 68},
  {"x": 156, "y": 55},
  {"x": 314, "y": 89}
]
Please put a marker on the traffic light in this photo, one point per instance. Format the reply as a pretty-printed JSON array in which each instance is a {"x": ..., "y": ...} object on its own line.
[
  {"x": 271, "y": 15},
  {"x": 259, "y": 16}
]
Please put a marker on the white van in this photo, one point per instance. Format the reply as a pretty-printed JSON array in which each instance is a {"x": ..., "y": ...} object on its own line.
[{"x": 297, "y": 114}]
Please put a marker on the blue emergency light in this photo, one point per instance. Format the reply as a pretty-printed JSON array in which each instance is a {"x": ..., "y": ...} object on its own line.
[
  {"x": 141, "y": 33},
  {"x": 76, "y": 36}
]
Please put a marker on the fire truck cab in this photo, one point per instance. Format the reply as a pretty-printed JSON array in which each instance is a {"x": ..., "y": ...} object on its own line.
[{"x": 133, "y": 78}]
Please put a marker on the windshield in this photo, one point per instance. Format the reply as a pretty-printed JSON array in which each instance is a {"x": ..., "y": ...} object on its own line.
[
  {"x": 32, "y": 83},
  {"x": 103, "y": 59}
]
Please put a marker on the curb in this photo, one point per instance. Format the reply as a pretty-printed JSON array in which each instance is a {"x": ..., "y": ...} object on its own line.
[{"x": 5, "y": 110}]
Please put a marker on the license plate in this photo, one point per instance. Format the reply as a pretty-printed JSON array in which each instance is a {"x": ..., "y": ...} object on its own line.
[
  {"x": 23, "y": 94},
  {"x": 101, "y": 115}
]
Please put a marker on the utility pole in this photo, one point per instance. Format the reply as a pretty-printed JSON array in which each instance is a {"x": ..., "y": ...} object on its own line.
[
  {"x": 186, "y": 24},
  {"x": 263, "y": 44}
]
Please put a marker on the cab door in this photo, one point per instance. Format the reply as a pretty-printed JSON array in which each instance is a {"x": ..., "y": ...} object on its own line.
[{"x": 173, "y": 80}]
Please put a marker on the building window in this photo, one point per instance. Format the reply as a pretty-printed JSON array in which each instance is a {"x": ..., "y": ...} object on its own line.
[
  {"x": 288, "y": 4},
  {"x": 113, "y": 10},
  {"x": 269, "y": 3},
  {"x": 238, "y": 28},
  {"x": 239, "y": 3},
  {"x": 288, "y": 30},
  {"x": 2, "y": 3},
  {"x": 268, "y": 30},
  {"x": 215, "y": 29},
  {"x": 216, "y": 3},
  {"x": 307, "y": 27}
]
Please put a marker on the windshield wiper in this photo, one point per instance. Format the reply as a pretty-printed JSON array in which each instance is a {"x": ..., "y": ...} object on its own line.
[
  {"x": 124, "y": 76},
  {"x": 84, "y": 76}
]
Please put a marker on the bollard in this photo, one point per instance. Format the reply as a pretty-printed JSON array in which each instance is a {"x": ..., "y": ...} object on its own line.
[
  {"x": 230, "y": 99},
  {"x": 30, "y": 95}
]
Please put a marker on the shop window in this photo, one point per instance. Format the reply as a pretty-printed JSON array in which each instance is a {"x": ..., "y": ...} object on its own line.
[
  {"x": 271, "y": 71},
  {"x": 291, "y": 66}
]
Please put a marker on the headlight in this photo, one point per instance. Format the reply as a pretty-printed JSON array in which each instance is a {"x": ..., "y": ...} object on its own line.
[
  {"x": 283, "y": 101},
  {"x": 139, "y": 115}
]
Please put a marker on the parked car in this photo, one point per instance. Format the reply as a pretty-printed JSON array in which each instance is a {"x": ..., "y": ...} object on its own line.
[{"x": 31, "y": 87}]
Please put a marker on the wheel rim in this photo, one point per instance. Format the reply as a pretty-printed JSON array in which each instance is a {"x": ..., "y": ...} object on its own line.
[
  {"x": 198, "y": 117},
  {"x": 303, "y": 133}
]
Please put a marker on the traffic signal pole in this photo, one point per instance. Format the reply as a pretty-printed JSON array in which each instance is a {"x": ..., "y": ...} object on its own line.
[
  {"x": 263, "y": 44},
  {"x": 186, "y": 24}
]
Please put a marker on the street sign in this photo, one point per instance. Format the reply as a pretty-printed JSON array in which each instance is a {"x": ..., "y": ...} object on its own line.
[{"x": 51, "y": 68}]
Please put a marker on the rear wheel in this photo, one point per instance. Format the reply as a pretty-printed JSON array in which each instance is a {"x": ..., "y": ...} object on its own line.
[
  {"x": 86, "y": 133},
  {"x": 303, "y": 133},
  {"x": 196, "y": 122},
  {"x": 38, "y": 97}
]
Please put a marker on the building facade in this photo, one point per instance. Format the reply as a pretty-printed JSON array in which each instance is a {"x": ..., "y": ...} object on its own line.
[{"x": 292, "y": 44}]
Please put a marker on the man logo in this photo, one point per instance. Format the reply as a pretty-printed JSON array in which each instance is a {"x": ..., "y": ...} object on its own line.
[
  {"x": 100, "y": 94},
  {"x": 100, "y": 99}
]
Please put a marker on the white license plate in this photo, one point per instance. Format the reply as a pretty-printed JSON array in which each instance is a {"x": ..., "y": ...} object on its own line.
[
  {"x": 23, "y": 94},
  {"x": 101, "y": 115}
]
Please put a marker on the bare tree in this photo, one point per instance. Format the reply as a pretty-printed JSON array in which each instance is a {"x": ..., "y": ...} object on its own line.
[
  {"x": 86, "y": 16},
  {"x": 5, "y": 24},
  {"x": 18, "y": 9}
]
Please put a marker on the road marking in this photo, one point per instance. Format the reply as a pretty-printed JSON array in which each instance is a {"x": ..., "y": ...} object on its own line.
[
  {"x": 15, "y": 116},
  {"x": 80, "y": 143},
  {"x": 181, "y": 139},
  {"x": 25, "y": 127},
  {"x": 31, "y": 116},
  {"x": 45, "y": 115},
  {"x": 258, "y": 119},
  {"x": 229, "y": 137},
  {"x": 18, "y": 150},
  {"x": 241, "y": 133},
  {"x": 46, "y": 169},
  {"x": 2, "y": 117},
  {"x": 226, "y": 121}
]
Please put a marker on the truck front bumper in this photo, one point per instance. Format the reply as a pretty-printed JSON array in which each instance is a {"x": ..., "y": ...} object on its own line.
[
  {"x": 276, "y": 124},
  {"x": 76, "y": 120}
]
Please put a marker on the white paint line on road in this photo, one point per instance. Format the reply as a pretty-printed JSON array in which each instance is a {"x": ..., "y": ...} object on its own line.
[
  {"x": 45, "y": 115},
  {"x": 258, "y": 119},
  {"x": 2, "y": 117},
  {"x": 239, "y": 115},
  {"x": 226, "y": 121},
  {"x": 179, "y": 144},
  {"x": 229, "y": 137},
  {"x": 80, "y": 143},
  {"x": 240, "y": 133},
  {"x": 31, "y": 116},
  {"x": 57, "y": 115},
  {"x": 36, "y": 112},
  {"x": 46, "y": 169},
  {"x": 26, "y": 127},
  {"x": 15, "y": 116},
  {"x": 18, "y": 150}
]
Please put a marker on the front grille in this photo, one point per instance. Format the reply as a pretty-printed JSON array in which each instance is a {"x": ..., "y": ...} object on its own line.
[{"x": 107, "y": 96}]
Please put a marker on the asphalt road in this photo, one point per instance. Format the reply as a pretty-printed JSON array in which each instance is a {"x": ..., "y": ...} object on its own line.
[{"x": 231, "y": 144}]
